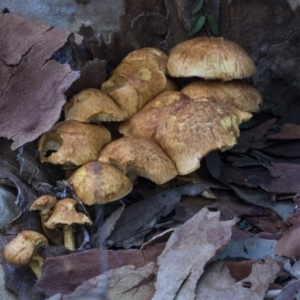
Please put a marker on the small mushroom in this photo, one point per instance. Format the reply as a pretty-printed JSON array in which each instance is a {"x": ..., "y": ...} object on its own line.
[
  {"x": 45, "y": 204},
  {"x": 139, "y": 156},
  {"x": 92, "y": 105},
  {"x": 72, "y": 143},
  {"x": 64, "y": 214},
  {"x": 210, "y": 58},
  {"x": 186, "y": 129},
  {"x": 99, "y": 182},
  {"x": 22, "y": 250}
]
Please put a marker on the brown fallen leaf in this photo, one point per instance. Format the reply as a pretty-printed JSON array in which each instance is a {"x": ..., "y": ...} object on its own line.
[
  {"x": 287, "y": 132},
  {"x": 289, "y": 245},
  {"x": 64, "y": 273},
  {"x": 32, "y": 85},
  {"x": 126, "y": 283},
  {"x": 187, "y": 251},
  {"x": 216, "y": 283}
]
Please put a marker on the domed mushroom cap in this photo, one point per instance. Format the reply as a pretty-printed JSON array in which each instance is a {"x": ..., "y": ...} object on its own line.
[
  {"x": 149, "y": 54},
  {"x": 21, "y": 249},
  {"x": 64, "y": 212},
  {"x": 240, "y": 95},
  {"x": 210, "y": 58},
  {"x": 133, "y": 84},
  {"x": 92, "y": 105},
  {"x": 73, "y": 142},
  {"x": 139, "y": 156},
  {"x": 186, "y": 129},
  {"x": 98, "y": 182}
]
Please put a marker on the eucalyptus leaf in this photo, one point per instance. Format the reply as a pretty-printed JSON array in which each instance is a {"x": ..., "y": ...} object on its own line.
[
  {"x": 213, "y": 24},
  {"x": 197, "y": 25},
  {"x": 197, "y": 6}
]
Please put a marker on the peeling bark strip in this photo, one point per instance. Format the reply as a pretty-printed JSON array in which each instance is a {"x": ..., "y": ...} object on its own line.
[{"x": 31, "y": 87}]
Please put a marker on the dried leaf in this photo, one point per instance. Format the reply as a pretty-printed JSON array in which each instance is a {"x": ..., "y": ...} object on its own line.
[
  {"x": 32, "y": 85},
  {"x": 250, "y": 248},
  {"x": 179, "y": 271},
  {"x": 126, "y": 283},
  {"x": 139, "y": 218},
  {"x": 288, "y": 245},
  {"x": 260, "y": 198},
  {"x": 64, "y": 273},
  {"x": 287, "y": 132},
  {"x": 289, "y": 291},
  {"x": 253, "y": 287}
]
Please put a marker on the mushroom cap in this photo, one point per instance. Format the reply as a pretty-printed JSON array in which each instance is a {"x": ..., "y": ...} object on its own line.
[
  {"x": 134, "y": 83},
  {"x": 239, "y": 94},
  {"x": 64, "y": 212},
  {"x": 20, "y": 250},
  {"x": 98, "y": 182},
  {"x": 92, "y": 105},
  {"x": 149, "y": 54},
  {"x": 43, "y": 203},
  {"x": 210, "y": 58},
  {"x": 75, "y": 143},
  {"x": 139, "y": 156},
  {"x": 186, "y": 129}
]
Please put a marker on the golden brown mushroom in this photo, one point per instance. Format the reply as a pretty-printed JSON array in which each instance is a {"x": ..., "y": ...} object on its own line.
[
  {"x": 22, "y": 250},
  {"x": 210, "y": 58},
  {"x": 45, "y": 205},
  {"x": 186, "y": 129},
  {"x": 64, "y": 214},
  {"x": 98, "y": 182},
  {"x": 134, "y": 83},
  {"x": 148, "y": 54},
  {"x": 73, "y": 143},
  {"x": 141, "y": 157},
  {"x": 240, "y": 95},
  {"x": 92, "y": 105}
]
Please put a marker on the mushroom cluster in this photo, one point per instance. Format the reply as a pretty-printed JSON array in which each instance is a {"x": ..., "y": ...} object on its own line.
[{"x": 166, "y": 131}]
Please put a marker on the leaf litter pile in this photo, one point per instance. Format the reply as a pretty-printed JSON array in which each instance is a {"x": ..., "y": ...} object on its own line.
[{"x": 146, "y": 225}]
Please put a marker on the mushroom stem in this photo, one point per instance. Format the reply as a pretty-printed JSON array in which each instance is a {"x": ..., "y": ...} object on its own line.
[
  {"x": 68, "y": 237},
  {"x": 54, "y": 235},
  {"x": 36, "y": 263}
]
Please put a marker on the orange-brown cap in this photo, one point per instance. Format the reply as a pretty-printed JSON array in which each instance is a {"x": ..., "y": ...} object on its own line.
[
  {"x": 239, "y": 94},
  {"x": 21, "y": 249},
  {"x": 186, "y": 129},
  {"x": 134, "y": 83},
  {"x": 73, "y": 142},
  {"x": 149, "y": 54},
  {"x": 141, "y": 156},
  {"x": 210, "y": 58},
  {"x": 44, "y": 204},
  {"x": 92, "y": 105},
  {"x": 64, "y": 212},
  {"x": 98, "y": 182}
]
